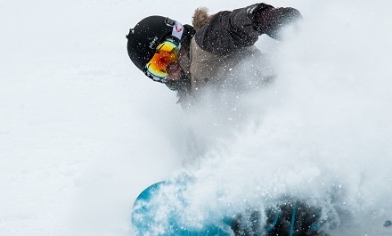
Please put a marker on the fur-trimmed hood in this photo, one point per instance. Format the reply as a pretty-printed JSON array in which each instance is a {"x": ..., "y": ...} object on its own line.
[{"x": 200, "y": 17}]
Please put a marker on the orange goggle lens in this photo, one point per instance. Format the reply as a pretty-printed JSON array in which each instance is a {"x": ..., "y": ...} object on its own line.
[{"x": 167, "y": 53}]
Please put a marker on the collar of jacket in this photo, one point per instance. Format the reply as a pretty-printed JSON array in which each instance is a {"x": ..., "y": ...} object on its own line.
[{"x": 200, "y": 18}]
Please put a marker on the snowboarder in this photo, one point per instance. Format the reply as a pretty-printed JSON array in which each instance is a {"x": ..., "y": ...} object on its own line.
[{"x": 187, "y": 58}]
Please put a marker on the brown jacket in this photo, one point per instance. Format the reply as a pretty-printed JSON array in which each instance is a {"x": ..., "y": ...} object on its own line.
[
  {"x": 221, "y": 42},
  {"x": 223, "y": 45}
]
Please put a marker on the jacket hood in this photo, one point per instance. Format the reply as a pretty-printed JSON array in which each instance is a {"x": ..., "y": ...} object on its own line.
[{"x": 200, "y": 17}]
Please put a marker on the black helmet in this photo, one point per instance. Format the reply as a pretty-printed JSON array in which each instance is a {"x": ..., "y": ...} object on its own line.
[{"x": 144, "y": 38}]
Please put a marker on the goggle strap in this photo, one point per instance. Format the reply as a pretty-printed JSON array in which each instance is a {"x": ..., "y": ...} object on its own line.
[{"x": 178, "y": 30}]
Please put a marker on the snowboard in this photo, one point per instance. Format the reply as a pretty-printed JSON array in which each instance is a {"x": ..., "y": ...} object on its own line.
[{"x": 159, "y": 210}]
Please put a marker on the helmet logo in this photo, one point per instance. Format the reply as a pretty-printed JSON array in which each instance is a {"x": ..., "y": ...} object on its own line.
[{"x": 153, "y": 42}]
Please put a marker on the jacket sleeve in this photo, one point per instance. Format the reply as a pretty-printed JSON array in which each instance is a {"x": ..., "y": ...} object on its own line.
[{"x": 228, "y": 31}]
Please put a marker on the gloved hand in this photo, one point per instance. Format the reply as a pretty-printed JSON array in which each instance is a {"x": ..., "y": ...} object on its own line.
[
  {"x": 269, "y": 20},
  {"x": 292, "y": 218},
  {"x": 295, "y": 218}
]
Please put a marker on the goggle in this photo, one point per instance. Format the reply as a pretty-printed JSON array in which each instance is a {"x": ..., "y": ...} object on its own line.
[{"x": 166, "y": 53}]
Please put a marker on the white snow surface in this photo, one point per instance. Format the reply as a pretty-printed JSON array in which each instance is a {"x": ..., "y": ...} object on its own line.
[{"x": 83, "y": 132}]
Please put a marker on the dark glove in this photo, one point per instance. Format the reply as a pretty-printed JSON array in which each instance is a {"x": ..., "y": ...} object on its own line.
[
  {"x": 291, "y": 218},
  {"x": 269, "y": 20},
  {"x": 296, "y": 217}
]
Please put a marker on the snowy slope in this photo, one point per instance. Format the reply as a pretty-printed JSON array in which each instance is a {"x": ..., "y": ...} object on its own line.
[{"x": 82, "y": 132}]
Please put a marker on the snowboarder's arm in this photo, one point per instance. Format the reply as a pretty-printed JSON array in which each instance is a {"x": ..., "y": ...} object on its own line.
[{"x": 231, "y": 30}]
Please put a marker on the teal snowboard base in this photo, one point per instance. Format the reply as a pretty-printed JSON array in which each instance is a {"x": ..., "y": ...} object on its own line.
[
  {"x": 162, "y": 210},
  {"x": 158, "y": 211}
]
